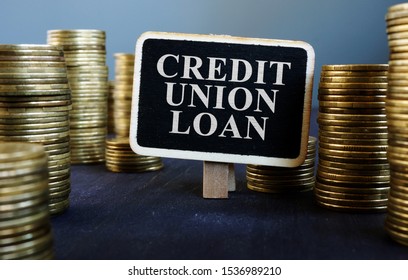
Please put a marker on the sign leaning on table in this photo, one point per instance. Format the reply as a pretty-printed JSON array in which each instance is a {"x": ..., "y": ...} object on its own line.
[{"x": 222, "y": 99}]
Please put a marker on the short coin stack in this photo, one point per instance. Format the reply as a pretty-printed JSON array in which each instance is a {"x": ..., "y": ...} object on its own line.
[
  {"x": 85, "y": 55},
  {"x": 353, "y": 172},
  {"x": 122, "y": 94},
  {"x": 121, "y": 158},
  {"x": 34, "y": 107},
  {"x": 25, "y": 229},
  {"x": 270, "y": 179},
  {"x": 397, "y": 116}
]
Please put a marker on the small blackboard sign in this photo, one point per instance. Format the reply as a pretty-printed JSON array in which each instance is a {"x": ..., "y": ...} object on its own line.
[{"x": 222, "y": 98}]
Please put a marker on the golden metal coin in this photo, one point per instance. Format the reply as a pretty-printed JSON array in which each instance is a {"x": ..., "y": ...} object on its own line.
[
  {"x": 355, "y": 67},
  {"x": 344, "y": 104},
  {"x": 350, "y": 73}
]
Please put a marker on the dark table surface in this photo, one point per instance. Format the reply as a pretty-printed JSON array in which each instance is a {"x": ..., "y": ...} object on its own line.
[{"x": 162, "y": 215}]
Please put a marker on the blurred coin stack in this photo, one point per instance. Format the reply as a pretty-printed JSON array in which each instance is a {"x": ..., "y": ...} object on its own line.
[
  {"x": 270, "y": 179},
  {"x": 121, "y": 158},
  {"x": 396, "y": 223},
  {"x": 25, "y": 228},
  {"x": 85, "y": 55},
  {"x": 122, "y": 93},
  {"x": 34, "y": 107},
  {"x": 353, "y": 172},
  {"x": 111, "y": 120}
]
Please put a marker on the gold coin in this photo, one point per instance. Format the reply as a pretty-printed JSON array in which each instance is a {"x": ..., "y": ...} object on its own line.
[
  {"x": 399, "y": 237},
  {"x": 29, "y": 104},
  {"x": 114, "y": 168},
  {"x": 353, "y": 178},
  {"x": 355, "y": 129},
  {"x": 353, "y": 136},
  {"x": 397, "y": 21},
  {"x": 397, "y": 56},
  {"x": 359, "y": 148},
  {"x": 399, "y": 194},
  {"x": 33, "y": 64},
  {"x": 350, "y": 73},
  {"x": 397, "y": 43},
  {"x": 396, "y": 69},
  {"x": 32, "y": 98},
  {"x": 35, "y": 218},
  {"x": 350, "y": 189},
  {"x": 353, "y": 160},
  {"x": 345, "y": 104},
  {"x": 355, "y": 67},
  {"x": 28, "y": 47},
  {"x": 356, "y": 117},
  {"x": 398, "y": 7},
  {"x": 354, "y": 154},
  {"x": 29, "y": 87},
  {"x": 358, "y": 142},
  {"x": 397, "y": 28},
  {"x": 351, "y": 123},
  {"x": 24, "y": 77},
  {"x": 280, "y": 189},
  {"x": 351, "y": 202},
  {"x": 349, "y": 196},
  {"x": 23, "y": 111},
  {"x": 25, "y": 236},
  {"x": 353, "y": 172},
  {"x": 76, "y": 32},
  {"x": 397, "y": 96},
  {"x": 28, "y": 248},
  {"x": 272, "y": 173},
  {"x": 34, "y": 81},
  {"x": 33, "y": 131},
  {"x": 343, "y": 80},
  {"x": 43, "y": 138},
  {"x": 20, "y": 151},
  {"x": 265, "y": 179},
  {"x": 352, "y": 98},
  {"x": 30, "y": 58},
  {"x": 331, "y": 85},
  {"x": 31, "y": 53},
  {"x": 397, "y": 83},
  {"x": 353, "y": 111}
]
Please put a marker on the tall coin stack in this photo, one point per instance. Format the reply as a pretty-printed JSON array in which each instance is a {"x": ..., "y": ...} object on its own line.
[
  {"x": 85, "y": 54},
  {"x": 34, "y": 107},
  {"x": 119, "y": 156},
  {"x": 122, "y": 93},
  {"x": 270, "y": 179},
  {"x": 111, "y": 118},
  {"x": 353, "y": 172},
  {"x": 396, "y": 223},
  {"x": 25, "y": 228}
]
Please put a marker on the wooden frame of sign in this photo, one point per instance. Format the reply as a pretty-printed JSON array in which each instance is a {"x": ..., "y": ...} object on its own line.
[{"x": 222, "y": 99}]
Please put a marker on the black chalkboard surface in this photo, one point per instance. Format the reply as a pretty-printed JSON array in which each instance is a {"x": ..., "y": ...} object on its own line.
[{"x": 222, "y": 98}]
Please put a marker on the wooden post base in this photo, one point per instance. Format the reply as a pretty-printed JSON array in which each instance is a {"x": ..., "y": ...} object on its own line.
[{"x": 218, "y": 179}]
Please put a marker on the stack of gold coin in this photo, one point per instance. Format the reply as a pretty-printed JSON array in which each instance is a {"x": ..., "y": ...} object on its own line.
[
  {"x": 85, "y": 55},
  {"x": 270, "y": 179},
  {"x": 121, "y": 158},
  {"x": 111, "y": 120},
  {"x": 34, "y": 107},
  {"x": 397, "y": 116},
  {"x": 25, "y": 229},
  {"x": 353, "y": 172},
  {"x": 124, "y": 68}
]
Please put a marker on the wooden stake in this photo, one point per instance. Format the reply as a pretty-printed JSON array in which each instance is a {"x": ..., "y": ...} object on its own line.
[{"x": 218, "y": 179}]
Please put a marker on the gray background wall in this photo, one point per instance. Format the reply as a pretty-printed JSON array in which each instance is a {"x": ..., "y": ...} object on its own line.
[{"x": 341, "y": 31}]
